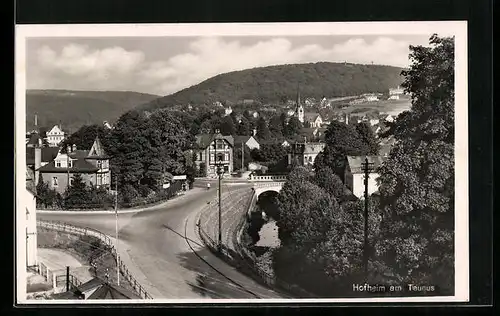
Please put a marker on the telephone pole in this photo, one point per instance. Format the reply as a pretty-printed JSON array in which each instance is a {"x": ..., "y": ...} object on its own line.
[
  {"x": 242, "y": 156},
  {"x": 116, "y": 232},
  {"x": 366, "y": 168}
]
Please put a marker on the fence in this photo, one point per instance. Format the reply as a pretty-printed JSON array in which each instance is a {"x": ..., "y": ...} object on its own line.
[
  {"x": 85, "y": 231},
  {"x": 56, "y": 279},
  {"x": 268, "y": 178}
]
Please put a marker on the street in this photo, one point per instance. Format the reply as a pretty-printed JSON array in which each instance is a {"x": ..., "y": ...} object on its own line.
[{"x": 163, "y": 245}]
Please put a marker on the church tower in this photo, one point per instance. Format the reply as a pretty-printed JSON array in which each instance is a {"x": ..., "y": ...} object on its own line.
[{"x": 299, "y": 109}]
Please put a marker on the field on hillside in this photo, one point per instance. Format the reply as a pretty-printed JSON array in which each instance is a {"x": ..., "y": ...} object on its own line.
[{"x": 393, "y": 107}]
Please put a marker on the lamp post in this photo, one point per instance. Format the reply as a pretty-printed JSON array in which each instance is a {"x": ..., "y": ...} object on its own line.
[
  {"x": 220, "y": 171},
  {"x": 366, "y": 168},
  {"x": 116, "y": 232}
]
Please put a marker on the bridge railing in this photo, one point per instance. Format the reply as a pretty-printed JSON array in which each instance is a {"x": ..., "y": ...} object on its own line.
[{"x": 267, "y": 178}]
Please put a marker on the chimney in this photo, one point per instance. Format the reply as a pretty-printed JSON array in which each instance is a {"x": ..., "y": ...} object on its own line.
[
  {"x": 38, "y": 162},
  {"x": 254, "y": 132},
  {"x": 36, "y": 120}
]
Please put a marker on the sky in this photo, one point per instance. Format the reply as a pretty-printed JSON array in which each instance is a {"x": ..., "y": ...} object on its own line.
[{"x": 165, "y": 65}]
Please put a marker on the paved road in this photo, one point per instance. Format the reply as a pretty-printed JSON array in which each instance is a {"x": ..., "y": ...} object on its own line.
[{"x": 170, "y": 265}]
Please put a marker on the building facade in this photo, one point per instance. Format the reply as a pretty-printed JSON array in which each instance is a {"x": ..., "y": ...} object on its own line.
[
  {"x": 92, "y": 165},
  {"x": 354, "y": 175},
  {"x": 30, "y": 225},
  {"x": 55, "y": 136},
  {"x": 213, "y": 150},
  {"x": 305, "y": 153}
]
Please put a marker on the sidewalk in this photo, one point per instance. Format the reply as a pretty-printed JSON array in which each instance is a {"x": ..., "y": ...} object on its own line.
[{"x": 175, "y": 200}]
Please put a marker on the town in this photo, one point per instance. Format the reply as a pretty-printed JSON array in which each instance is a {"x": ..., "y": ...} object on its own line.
[{"x": 298, "y": 198}]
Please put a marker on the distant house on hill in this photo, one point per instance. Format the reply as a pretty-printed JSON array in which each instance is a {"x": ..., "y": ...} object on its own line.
[
  {"x": 92, "y": 165},
  {"x": 354, "y": 174},
  {"x": 290, "y": 112},
  {"x": 55, "y": 136},
  {"x": 249, "y": 141},
  {"x": 314, "y": 119},
  {"x": 107, "y": 125},
  {"x": 212, "y": 150},
  {"x": 228, "y": 111}
]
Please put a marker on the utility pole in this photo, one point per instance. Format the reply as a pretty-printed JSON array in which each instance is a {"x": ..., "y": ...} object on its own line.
[
  {"x": 366, "y": 168},
  {"x": 242, "y": 156},
  {"x": 116, "y": 232},
  {"x": 219, "y": 174}
]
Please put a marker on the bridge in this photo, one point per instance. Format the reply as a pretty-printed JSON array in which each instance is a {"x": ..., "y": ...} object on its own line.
[{"x": 267, "y": 183}]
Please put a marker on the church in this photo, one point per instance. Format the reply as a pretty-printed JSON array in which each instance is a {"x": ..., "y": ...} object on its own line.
[{"x": 311, "y": 119}]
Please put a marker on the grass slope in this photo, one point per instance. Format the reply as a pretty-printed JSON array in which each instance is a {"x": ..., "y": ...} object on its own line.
[
  {"x": 276, "y": 84},
  {"x": 76, "y": 108}
]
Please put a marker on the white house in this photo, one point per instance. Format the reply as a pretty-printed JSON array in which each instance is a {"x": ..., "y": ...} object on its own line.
[
  {"x": 107, "y": 125},
  {"x": 314, "y": 119},
  {"x": 354, "y": 174},
  {"x": 371, "y": 98},
  {"x": 374, "y": 121},
  {"x": 388, "y": 118},
  {"x": 228, "y": 111},
  {"x": 290, "y": 113},
  {"x": 249, "y": 141},
  {"x": 30, "y": 226},
  {"x": 55, "y": 136}
]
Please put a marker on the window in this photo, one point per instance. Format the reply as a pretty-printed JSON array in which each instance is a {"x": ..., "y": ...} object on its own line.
[
  {"x": 212, "y": 157},
  {"x": 55, "y": 182},
  {"x": 99, "y": 164},
  {"x": 70, "y": 162},
  {"x": 58, "y": 163},
  {"x": 71, "y": 181},
  {"x": 200, "y": 156},
  {"x": 220, "y": 157},
  {"x": 220, "y": 144},
  {"x": 226, "y": 157}
]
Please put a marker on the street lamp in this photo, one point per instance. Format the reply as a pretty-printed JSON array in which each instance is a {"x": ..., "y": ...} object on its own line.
[{"x": 220, "y": 171}]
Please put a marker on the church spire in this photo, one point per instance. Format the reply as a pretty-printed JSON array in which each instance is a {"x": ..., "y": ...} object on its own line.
[{"x": 298, "y": 96}]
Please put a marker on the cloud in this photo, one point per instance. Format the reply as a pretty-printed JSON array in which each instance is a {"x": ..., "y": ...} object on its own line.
[{"x": 114, "y": 68}]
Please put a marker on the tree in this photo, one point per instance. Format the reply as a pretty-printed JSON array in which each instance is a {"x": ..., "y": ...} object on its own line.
[
  {"x": 367, "y": 137},
  {"x": 276, "y": 126},
  {"x": 326, "y": 179},
  {"x": 263, "y": 132},
  {"x": 77, "y": 194},
  {"x": 417, "y": 180},
  {"x": 227, "y": 126},
  {"x": 293, "y": 127},
  {"x": 84, "y": 137},
  {"x": 244, "y": 127},
  {"x": 42, "y": 191}
]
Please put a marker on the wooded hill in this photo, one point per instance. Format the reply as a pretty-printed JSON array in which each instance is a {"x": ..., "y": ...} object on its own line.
[
  {"x": 277, "y": 84},
  {"x": 76, "y": 108}
]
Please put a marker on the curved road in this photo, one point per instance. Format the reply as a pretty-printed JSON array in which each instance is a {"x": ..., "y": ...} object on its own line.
[{"x": 164, "y": 253}]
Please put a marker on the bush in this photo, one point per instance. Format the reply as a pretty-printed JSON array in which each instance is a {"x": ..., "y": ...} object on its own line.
[{"x": 128, "y": 194}]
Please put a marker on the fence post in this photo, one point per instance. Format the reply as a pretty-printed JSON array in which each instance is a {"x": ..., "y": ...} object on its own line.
[{"x": 54, "y": 281}]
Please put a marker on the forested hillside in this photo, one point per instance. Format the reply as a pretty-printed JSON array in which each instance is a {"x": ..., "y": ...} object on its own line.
[
  {"x": 275, "y": 84},
  {"x": 76, "y": 108}
]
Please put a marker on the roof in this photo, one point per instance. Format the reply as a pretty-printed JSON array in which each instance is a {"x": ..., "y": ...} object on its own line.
[
  {"x": 310, "y": 116},
  {"x": 48, "y": 154},
  {"x": 204, "y": 140},
  {"x": 102, "y": 290},
  {"x": 239, "y": 139},
  {"x": 307, "y": 130},
  {"x": 97, "y": 150},
  {"x": 34, "y": 139},
  {"x": 356, "y": 162},
  {"x": 79, "y": 166}
]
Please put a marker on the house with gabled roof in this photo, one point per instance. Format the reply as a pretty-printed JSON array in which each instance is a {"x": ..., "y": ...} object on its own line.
[
  {"x": 354, "y": 174},
  {"x": 212, "y": 150},
  {"x": 314, "y": 119},
  {"x": 55, "y": 136},
  {"x": 92, "y": 165},
  {"x": 248, "y": 140}
]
